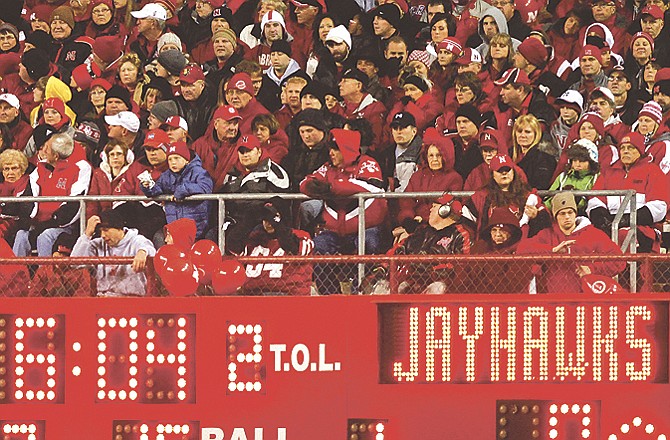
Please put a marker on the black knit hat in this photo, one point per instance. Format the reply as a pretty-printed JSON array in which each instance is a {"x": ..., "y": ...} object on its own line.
[
  {"x": 121, "y": 93},
  {"x": 281, "y": 46},
  {"x": 42, "y": 133},
  {"x": 160, "y": 84},
  {"x": 470, "y": 112},
  {"x": 316, "y": 89},
  {"x": 36, "y": 62},
  {"x": 39, "y": 39},
  {"x": 311, "y": 117},
  {"x": 357, "y": 75},
  {"x": 419, "y": 82}
]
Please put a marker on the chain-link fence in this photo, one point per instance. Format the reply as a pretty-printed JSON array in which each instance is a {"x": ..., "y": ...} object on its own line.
[{"x": 325, "y": 275}]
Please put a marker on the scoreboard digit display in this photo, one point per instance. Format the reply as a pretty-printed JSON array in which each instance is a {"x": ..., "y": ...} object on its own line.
[{"x": 356, "y": 368}]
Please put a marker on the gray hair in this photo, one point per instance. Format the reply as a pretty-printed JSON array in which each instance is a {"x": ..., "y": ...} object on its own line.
[{"x": 62, "y": 144}]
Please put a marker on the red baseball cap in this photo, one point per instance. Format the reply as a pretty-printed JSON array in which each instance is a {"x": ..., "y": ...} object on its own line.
[
  {"x": 513, "y": 76},
  {"x": 247, "y": 143},
  {"x": 156, "y": 139},
  {"x": 241, "y": 81},
  {"x": 227, "y": 113},
  {"x": 191, "y": 74},
  {"x": 176, "y": 121},
  {"x": 501, "y": 161}
]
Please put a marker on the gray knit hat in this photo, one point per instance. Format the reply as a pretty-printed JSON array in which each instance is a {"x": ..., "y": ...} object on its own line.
[
  {"x": 173, "y": 61},
  {"x": 164, "y": 109}
]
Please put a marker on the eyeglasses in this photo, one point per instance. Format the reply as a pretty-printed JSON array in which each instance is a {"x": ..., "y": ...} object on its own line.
[{"x": 617, "y": 78}]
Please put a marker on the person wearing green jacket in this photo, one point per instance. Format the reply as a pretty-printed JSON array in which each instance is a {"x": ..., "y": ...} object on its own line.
[{"x": 581, "y": 172}]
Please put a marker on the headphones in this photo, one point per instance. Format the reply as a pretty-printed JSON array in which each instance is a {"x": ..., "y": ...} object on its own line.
[{"x": 449, "y": 205}]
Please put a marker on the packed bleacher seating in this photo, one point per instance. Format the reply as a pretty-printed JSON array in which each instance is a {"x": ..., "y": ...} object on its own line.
[{"x": 330, "y": 98}]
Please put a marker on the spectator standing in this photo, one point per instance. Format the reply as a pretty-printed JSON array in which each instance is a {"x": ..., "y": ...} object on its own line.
[
  {"x": 115, "y": 240},
  {"x": 184, "y": 177},
  {"x": 572, "y": 235}
]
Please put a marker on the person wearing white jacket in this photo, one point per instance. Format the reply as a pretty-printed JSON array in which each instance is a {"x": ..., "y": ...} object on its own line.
[{"x": 115, "y": 241}]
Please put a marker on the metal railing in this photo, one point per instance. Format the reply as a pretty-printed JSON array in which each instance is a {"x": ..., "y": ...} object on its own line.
[{"x": 628, "y": 196}]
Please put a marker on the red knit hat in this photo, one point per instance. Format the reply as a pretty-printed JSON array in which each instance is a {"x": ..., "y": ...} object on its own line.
[
  {"x": 644, "y": 35},
  {"x": 635, "y": 139},
  {"x": 241, "y": 81},
  {"x": 653, "y": 110},
  {"x": 452, "y": 44},
  {"x": 84, "y": 74},
  {"x": 54, "y": 103},
  {"x": 102, "y": 83},
  {"x": 534, "y": 51},
  {"x": 108, "y": 48},
  {"x": 591, "y": 50},
  {"x": 108, "y": 3},
  {"x": 595, "y": 120},
  {"x": 179, "y": 148}
]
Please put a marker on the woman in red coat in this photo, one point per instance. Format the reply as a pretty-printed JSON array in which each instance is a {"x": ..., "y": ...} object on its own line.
[
  {"x": 435, "y": 174},
  {"x": 116, "y": 158}
]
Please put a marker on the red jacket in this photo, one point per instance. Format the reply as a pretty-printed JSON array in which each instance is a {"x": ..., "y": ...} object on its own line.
[
  {"x": 13, "y": 84},
  {"x": 425, "y": 179},
  {"x": 248, "y": 113},
  {"x": 341, "y": 215},
  {"x": 372, "y": 110},
  {"x": 21, "y": 133},
  {"x": 102, "y": 183},
  {"x": 218, "y": 157},
  {"x": 478, "y": 177},
  {"x": 424, "y": 110},
  {"x": 64, "y": 179},
  {"x": 129, "y": 184},
  {"x": 293, "y": 279},
  {"x": 560, "y": 277}
]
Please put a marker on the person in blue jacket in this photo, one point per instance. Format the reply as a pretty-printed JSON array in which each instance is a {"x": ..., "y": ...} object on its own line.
[{"x": 184, "y": 177}]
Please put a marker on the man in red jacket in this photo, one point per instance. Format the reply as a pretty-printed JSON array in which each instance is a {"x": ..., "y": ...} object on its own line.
[
  {"x": 148, "y": 217},
  {"x": 572, "y": 235},
  {"x": 347, "y": 173},
  {"x": 57, "y": 175}
]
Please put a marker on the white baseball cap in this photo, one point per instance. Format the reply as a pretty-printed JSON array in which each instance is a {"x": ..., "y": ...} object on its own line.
[
  {"x": 572, "y": 97},
  {"x": 339, "y": 34},
  {"x": 151, "y": 10},
  {"x": 176, "y": 122},
  {"x": 127, "y": 120},
  {"x": 11, "y": 100}
]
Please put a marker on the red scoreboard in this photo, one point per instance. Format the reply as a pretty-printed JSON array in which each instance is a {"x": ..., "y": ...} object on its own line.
[{"x": 355, "y": 368}]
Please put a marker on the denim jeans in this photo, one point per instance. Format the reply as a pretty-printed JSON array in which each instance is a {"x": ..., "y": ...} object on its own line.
[{"x": 45, "y": 241}]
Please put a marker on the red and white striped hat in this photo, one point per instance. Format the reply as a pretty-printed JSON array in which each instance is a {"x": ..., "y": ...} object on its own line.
[{"x": 653, "y": 110}]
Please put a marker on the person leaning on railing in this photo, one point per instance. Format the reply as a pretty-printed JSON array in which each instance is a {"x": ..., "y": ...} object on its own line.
[{"x": 576, "y": 236}]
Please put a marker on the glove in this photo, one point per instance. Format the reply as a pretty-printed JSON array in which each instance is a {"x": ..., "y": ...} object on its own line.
[
  {"x": 410, "y": 225},
  {"x": 316, "y": 188},
  {"x": 405, "y": 100},
  {"x": 601, "y": 219}
]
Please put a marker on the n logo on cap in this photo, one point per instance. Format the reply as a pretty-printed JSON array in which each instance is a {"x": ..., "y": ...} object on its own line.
[
  {"x": 245, "y": 139},
  {"x": 502, "y": 159},
  {"x": 487, "y": 137},
  {"x": 151, "y": 136},
  {"x": 173, "y": 149}
]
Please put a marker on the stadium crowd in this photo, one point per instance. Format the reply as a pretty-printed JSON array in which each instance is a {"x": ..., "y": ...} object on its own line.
[{"x": 324, "y": 97}]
